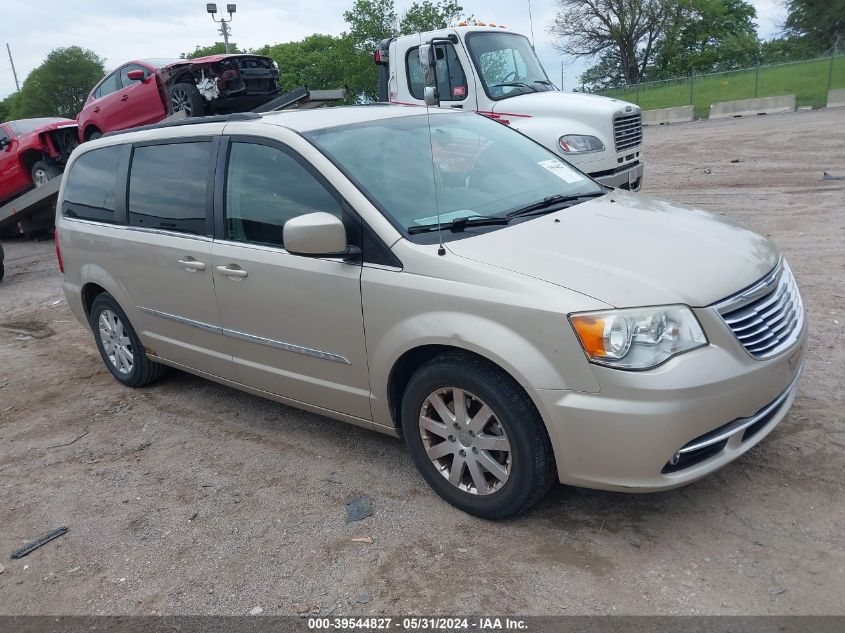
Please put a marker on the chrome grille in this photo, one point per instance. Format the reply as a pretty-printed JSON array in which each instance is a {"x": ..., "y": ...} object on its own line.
[
  {"x": 628, "y": 131},
  {"x": 768, "y": 317}
]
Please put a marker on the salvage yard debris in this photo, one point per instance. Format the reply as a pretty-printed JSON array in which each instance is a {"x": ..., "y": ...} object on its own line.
[
  {"x": 359, "y": 508},
  {"x": 828, "y": 176},
  {"x": 29, "y": 547}
]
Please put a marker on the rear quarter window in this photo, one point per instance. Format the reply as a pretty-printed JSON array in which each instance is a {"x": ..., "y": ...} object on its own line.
[
  {"x": 91, "y": 183},
  {"x": 168, "y": 187}
]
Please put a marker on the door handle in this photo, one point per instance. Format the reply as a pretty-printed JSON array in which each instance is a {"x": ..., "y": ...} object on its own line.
[
  {"x": 97, "y": 109},
  {"x": 231, "y": 272},
  {"x": 125, "y": 98},
  {"x": 191, "y": 265}
]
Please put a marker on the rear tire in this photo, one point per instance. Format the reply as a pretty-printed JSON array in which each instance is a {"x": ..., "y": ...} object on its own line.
[
  {"x": 187, "y": 97},
  {"x": 505, "y": 465},
  {"x": 93, "y": 136},
  {"x": 43, "y": 172},
  {"x": 119, "y": 346}
]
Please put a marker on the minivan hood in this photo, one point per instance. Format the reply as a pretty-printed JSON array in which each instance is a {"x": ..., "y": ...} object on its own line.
[{"x": 630, "y": 250}]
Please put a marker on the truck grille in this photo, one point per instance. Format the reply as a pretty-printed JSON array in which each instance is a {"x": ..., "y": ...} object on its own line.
[
  {"x": 628, "y": 131},
  {"x": 768, "y": 317}
]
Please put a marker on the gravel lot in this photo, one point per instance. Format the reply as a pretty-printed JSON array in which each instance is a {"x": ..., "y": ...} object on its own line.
[{"x": 187, "y": 497}]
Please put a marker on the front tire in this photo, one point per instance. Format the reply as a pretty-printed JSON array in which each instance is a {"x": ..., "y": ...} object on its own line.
[
  {"x": 43, "y": 172},
  {"x": 187, "y": 97},
  {"x": 476, "y": 437},
  {"x": 119, "y": 346}
]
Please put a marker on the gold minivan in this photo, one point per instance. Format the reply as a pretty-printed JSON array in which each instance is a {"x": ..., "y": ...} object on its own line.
[{"x": 439, "y": 277}]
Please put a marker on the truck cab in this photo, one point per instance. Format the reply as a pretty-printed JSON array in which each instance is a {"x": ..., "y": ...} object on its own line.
[{"x": 495, "y": 72}]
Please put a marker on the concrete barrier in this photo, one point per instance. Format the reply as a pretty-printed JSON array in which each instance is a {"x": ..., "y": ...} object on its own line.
[
  {"x": 684, "y": 114},
  {"x": 748, "y": 107},
  {"x": 836, "y": 98}
]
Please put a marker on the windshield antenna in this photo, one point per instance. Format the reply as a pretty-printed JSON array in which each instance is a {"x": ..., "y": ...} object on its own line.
[{"x": 442, "y": 249}]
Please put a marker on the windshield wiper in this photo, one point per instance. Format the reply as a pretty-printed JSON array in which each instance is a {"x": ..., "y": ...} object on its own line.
[
  {"x": 516, "y": 84},
  {"x": 551, "y": 203},
  {"x": 459, "y": 224}
]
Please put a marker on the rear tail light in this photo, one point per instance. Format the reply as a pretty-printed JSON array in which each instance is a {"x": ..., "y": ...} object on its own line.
[{"x": 58, "y": 250}]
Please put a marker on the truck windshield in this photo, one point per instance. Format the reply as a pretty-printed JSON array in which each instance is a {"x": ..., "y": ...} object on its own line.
[
  {"x": 466, "y": 167},
  {"x": 507, "y": 65}
]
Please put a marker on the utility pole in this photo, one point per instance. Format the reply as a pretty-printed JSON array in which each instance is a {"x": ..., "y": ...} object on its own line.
[
  {"x": 224, "y": 31},
  {"x": 531, "y": 22},
  {"x": 12, "y": 62},
  {"x": 211, "y": 8}
]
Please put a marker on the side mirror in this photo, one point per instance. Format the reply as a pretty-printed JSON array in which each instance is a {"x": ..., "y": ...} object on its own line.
[
  {"x": 317, "y": 234},
  {"x": 135, "y": 75},
  {"x": 428, "y": 65}
]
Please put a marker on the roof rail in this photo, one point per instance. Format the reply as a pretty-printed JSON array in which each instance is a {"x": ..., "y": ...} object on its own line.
[{"x": 217, "y": 118}]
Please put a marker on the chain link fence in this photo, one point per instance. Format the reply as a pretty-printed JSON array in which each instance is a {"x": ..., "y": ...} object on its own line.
[{"x": 808, "y": 80}]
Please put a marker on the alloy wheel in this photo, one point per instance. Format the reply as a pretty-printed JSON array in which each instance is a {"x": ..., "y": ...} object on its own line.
[
  {"x": 116, "y": 341},
  {"x": 465, "y": 441},
  {"x": 179, "y": 100}
]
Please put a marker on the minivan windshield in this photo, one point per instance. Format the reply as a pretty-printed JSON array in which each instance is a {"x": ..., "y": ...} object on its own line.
[
  {"x": 507, "y": 64},
  {"x": 467, "y": 167}
]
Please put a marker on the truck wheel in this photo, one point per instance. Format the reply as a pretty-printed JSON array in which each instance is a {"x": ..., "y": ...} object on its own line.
[
  {"x": 476, "y": 437},
  {"x": 43, "y": 172},
  {"x": 186, "y": 97},
  {"x": 119, "y": 346}
]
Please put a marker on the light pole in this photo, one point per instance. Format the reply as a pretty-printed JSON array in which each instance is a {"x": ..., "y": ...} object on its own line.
[{"x": 211, "y": 7}]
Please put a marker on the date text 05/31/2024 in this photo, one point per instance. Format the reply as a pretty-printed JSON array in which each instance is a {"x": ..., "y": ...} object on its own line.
[{"x": 481, "y": 624}]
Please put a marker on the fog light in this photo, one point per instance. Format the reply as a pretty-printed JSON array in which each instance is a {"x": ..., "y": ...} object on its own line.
[{"x": 675, "y": 459}]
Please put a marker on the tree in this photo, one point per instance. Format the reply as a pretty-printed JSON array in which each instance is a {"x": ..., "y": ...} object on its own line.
[
  {"x": 707, "y": 36},
  {"x": 428, "y": 16},
  {"x": 60, "y": 85},
  {"x": 218, "y": 48},
  {"x": 820, "y": 22},
  {"x": 324, "y": 61},
  {"x": 371, "y": 21},
  {"x": 782, "y": 49},
  {"x": 9, "y": 107},
  {"x": 623, "y": 32}
]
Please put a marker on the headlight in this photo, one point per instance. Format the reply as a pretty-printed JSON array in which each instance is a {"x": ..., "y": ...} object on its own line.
[
  {"x": 638, "y": 338},
  {"x": 578, "y": 144}
]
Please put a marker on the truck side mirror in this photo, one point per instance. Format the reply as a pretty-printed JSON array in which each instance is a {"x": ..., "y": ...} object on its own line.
[{"x": 428, "y": 64}]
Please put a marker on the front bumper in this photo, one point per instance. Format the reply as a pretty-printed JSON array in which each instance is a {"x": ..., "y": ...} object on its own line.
[
  {"x": 629, "y": 177},
  {"x": 710, "y": 405}
]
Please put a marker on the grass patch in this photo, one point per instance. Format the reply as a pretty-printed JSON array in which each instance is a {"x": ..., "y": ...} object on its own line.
[{"x": 808, "y": 81}]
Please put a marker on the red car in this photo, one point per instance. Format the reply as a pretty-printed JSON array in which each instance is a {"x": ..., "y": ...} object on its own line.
[
  {"x": 148, "y": 90},
  {"x": 33, "y": 152}
]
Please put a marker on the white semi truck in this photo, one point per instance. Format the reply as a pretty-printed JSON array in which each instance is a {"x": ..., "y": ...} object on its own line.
[{"x": 496, "y": 72}]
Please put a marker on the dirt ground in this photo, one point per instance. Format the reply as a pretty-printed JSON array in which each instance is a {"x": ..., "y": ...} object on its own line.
[{"x": 187, "y": 497}]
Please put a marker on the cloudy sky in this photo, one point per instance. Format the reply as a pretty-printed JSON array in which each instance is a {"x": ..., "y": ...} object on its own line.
[{"x": 120, "y": 30}]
